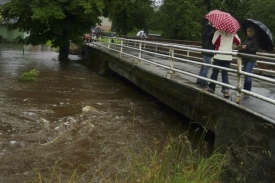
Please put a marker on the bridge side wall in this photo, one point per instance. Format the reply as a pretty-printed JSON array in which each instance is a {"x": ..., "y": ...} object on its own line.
[{"x": 247, "y": 139}]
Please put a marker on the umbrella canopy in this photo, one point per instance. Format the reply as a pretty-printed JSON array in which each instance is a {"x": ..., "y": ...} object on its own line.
[
  {"x": 223, "y": 21},
  {"x": 262, "y": 32},
  {"x": 140, "y": 33}
]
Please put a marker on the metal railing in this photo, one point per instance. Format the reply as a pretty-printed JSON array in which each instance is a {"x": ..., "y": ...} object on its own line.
[{"x": 137, "y": 49}]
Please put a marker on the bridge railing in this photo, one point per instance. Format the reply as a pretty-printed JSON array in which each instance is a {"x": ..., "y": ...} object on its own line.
[{"x": 137, "y": 49}]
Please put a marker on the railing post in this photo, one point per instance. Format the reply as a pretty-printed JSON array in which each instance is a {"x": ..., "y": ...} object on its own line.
[
  {"x": 239, "y": 80},
  {"x": 156, "y": 48},
  {"x": 121, "y": 48},
  {"x": 172, "y": 62},
  {"x": 109, "y": 41},
  {"x": 139, "y": 54},
  {"x": 188, "y": 52}
]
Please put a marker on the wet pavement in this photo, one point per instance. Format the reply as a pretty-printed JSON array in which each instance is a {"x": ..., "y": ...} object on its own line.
[{"x": 70, "y": 119}]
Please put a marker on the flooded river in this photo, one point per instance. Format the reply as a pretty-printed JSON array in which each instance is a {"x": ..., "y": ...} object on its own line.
[{"x": 70, "y": 118}]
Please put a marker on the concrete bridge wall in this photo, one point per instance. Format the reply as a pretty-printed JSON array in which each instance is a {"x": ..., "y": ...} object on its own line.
[{"x": 247, "y": 138}]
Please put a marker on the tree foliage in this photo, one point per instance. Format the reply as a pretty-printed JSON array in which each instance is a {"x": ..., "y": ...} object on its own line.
[
  {"x": 64, "y": 21},
  {"x": 131, "y": 15},
  {"x": 60, "y": 21},
  {"x": 180, "y": 19},
  {"x": 262, "y": 10},
  {"x": 56, "y": 20}
]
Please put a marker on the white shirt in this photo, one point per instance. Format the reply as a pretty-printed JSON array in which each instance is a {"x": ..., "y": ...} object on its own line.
[{"x": 224, "y": 41}]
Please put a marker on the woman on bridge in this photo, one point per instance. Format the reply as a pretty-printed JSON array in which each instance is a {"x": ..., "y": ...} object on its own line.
[
  {"x": 250, "y": 47},
  {"x": 223, "y": 41}
]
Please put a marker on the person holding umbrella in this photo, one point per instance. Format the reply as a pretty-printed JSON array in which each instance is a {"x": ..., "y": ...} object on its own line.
[
  {"x": 250, "y": 47},
  {"x": 258, "y": 36},
  {"x": 224, "y": 39}
]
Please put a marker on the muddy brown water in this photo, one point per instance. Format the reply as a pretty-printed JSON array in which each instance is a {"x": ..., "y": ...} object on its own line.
[{"x": 72, "y": 117}]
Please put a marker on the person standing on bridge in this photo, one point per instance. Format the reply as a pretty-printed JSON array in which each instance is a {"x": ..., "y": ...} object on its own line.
[
  {"x": 223, "y": 41},
  {"x": 207, "y": 36},
  {"x": 141, "y": 34},
  {"x": 250, "y": 47}
]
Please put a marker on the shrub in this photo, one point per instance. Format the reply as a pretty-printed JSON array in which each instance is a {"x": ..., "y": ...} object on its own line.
[{"x": 29, "y": 76}]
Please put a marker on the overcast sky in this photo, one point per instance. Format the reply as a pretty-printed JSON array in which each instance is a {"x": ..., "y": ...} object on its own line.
[{"x": 3, "y": 1}]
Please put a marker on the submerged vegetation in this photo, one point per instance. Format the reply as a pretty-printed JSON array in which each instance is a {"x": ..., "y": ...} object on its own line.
[{"x": 29, "y": 76}]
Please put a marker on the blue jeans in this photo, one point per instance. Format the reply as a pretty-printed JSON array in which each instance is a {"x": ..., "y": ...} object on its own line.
[
  {"x": 248, "y": 67},
  {"x": 204, "y": 70},
  {"x": 214, "y": 75}
]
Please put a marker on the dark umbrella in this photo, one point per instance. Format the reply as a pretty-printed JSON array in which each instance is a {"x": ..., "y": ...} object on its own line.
[{"x": 263, "y": 33}]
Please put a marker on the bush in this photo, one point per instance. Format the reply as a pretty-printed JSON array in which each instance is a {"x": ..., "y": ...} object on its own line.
[{"x": 29, "y": 76}]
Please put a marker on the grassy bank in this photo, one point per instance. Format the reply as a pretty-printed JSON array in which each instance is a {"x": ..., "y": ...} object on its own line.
[{"x": 177, "y": 162}]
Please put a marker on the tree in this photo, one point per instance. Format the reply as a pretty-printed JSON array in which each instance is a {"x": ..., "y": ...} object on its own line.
[
  {"x": 155, "y": 22},
  {"x": 181, "y": 19},
  {"x": 131, "y": 15},
  {"x": 262, "y": 10},
  {"x": 61, "y": 21}
]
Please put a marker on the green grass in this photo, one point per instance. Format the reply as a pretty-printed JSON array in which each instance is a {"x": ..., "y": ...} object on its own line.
[
  {"x": 49, "y": 43},
  {"x": 29, "y": 76},
  {"x": 176, "y": 163},
  {"x": 106, "y": 40},
  {"x": 54, "y": 177}
]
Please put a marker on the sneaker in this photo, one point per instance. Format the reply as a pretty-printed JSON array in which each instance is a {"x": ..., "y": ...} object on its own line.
[
  {"x": 208, "y": 90},
  {"x": 226, "y": 95}
]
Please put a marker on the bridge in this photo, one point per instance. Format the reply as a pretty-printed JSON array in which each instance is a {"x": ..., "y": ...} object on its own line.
[{"x": 243, "y": 124}]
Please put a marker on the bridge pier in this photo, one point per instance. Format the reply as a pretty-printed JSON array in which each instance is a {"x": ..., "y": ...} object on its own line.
[{"x": 245, "y": 137}]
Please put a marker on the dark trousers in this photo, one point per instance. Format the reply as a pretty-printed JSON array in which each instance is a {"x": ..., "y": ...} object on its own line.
[
  {"x": 248, "y": 67},
  {"x": 215, "y": 72}
]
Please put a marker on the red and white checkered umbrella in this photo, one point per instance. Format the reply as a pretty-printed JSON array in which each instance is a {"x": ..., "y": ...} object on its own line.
[{"x": 223, "y": 21}]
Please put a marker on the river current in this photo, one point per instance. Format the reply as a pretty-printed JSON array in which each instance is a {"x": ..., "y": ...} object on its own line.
[{"x": 72, "y": 119}]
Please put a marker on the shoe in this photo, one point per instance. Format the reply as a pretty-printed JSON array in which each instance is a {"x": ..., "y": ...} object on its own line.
[
  {"x": 208, "y": 90},
  {"x": 226, "y": 95},
  {"x": 204, "y": 85}
]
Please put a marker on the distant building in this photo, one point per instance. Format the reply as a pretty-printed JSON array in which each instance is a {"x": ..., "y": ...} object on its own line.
[
  {"x": 106, "y": 24},
  {"x": 9, "y": 35}
]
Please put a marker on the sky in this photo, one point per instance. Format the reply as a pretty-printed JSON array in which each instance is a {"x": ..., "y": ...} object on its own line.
[{"x": 3, "y": 1}]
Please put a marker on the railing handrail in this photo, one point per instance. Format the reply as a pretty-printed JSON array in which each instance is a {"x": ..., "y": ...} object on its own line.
[{"x": 124, "y": 44}]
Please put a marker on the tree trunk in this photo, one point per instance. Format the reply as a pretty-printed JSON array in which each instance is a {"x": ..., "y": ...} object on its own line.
[{"x": 64, "y": 53}]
